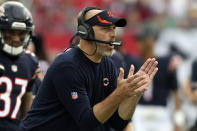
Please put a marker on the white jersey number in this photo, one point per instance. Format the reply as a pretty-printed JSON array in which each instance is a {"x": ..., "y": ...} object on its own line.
[{"x": 6, "y": 96}]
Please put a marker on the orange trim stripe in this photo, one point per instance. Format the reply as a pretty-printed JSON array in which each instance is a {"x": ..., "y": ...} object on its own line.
[{"x": 103, "y": 21}]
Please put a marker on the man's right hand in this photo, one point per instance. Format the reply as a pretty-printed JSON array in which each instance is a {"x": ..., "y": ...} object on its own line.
[{"x": 136, "y": 83}]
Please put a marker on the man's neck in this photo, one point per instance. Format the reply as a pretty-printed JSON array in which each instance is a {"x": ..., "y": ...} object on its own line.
[{"x": 90, "y": 50}]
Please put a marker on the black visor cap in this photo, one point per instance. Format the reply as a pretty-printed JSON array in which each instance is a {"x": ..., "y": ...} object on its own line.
[{"x": 105, "y": 18}]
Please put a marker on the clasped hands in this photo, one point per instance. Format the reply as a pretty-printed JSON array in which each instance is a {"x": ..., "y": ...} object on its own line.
[{"x": 136, "y": 84}]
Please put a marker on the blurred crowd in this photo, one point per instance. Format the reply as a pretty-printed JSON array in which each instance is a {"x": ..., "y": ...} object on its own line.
[
  {"x": 172, "y": 24},
  {"x": 56, "y": 19}
]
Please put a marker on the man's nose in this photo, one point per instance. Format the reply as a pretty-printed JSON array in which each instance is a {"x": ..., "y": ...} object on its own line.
[{"x": 113, "y": 33}]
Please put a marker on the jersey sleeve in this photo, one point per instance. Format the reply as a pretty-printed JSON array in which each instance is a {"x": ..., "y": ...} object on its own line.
[
  {"x": 118, "y": 123},
  {"x": 35, "y": 86},
  {"x": 171, "y": 76},
  {"x": 194, "y": 71},
  {"x": 70, "y": 87},
  {"x": 194, "y": 75},
  {"x": 172, "y": 80},
  {"x": 34, "y": 69}
]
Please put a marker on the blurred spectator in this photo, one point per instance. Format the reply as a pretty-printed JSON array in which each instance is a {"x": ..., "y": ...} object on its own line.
[
  {"x": 152, "y": 110},
  {"x": 37, "y": 46},
  {"x": 191, "y": 91},
  {"x": 2, "y": 1},
  {"x": 182, "y": 41},
  {"x": 133, "y": 26}
]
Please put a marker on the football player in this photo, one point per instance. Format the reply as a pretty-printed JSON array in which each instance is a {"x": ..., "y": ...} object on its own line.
[
  {"x": 19, "y": 67},
  {"x": 152, "y": 110},
  {"x": 191, "y": 92}
]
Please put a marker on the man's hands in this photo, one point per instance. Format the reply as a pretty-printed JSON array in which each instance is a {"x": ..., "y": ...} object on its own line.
[
  {"x": 122, "y": 98},
  {"x": 130, "y": 90},
  {"x": 137, "y": 83},
  {"x": 149, "y": 69}
]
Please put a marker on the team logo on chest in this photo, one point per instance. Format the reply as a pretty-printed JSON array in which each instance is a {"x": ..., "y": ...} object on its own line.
[
  {"x": 74, "y": 95},
  {"x": 105, "y": 81},
  {"x": 14, "y": 68}
]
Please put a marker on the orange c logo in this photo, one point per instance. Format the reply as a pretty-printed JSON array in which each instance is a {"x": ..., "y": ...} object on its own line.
[{"x": 105, "y": 81}]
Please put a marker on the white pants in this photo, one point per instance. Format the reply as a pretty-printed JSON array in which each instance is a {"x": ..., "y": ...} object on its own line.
[{"x": 152, "y": 118}]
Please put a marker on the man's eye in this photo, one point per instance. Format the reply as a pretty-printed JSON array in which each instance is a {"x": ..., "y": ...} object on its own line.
[{"x": 105, "y": 28}]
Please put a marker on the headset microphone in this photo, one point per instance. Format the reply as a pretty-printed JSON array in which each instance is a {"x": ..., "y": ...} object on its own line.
[
  {"x": 104, "y": 18},
  {"x": 115, "y": 43}
]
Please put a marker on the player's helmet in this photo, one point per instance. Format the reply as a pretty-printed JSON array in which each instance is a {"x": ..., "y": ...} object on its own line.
[{"x": 15, "y": 16}]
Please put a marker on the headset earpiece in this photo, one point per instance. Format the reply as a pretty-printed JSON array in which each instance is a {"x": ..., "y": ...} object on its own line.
[{"x": 84, "y": 30}]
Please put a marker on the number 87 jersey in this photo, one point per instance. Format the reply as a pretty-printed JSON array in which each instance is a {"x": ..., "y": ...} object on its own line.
[{"x": 14, "y": 83}]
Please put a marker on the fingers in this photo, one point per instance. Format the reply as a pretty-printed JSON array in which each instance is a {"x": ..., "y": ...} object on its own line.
[
  {"x": 150, "y": 64},
  {"x": 121, "y": 74},
  {"x": 152, "y": 68},
  {"x": 137, "y": 81},
  {"x": 144, "y": 66},
  {"x": 140, "y": 81},
  {"x": 140, "y": 90},
  {"x": 153, "y": 74},
  {"x": 131, "y": 78},
  {"x": 131, "y": 71},
  {"x": 143, "y": 86}
]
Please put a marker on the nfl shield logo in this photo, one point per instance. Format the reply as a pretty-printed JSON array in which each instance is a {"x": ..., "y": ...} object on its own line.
[
  {"x": 2, "y": 11},
  {"x": 74, "y": 95},
  {"x": 14, "y": 68}
]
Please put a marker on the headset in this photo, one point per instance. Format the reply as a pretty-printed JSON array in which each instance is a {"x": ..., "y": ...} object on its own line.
[{"x": 84, "y": 30}]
